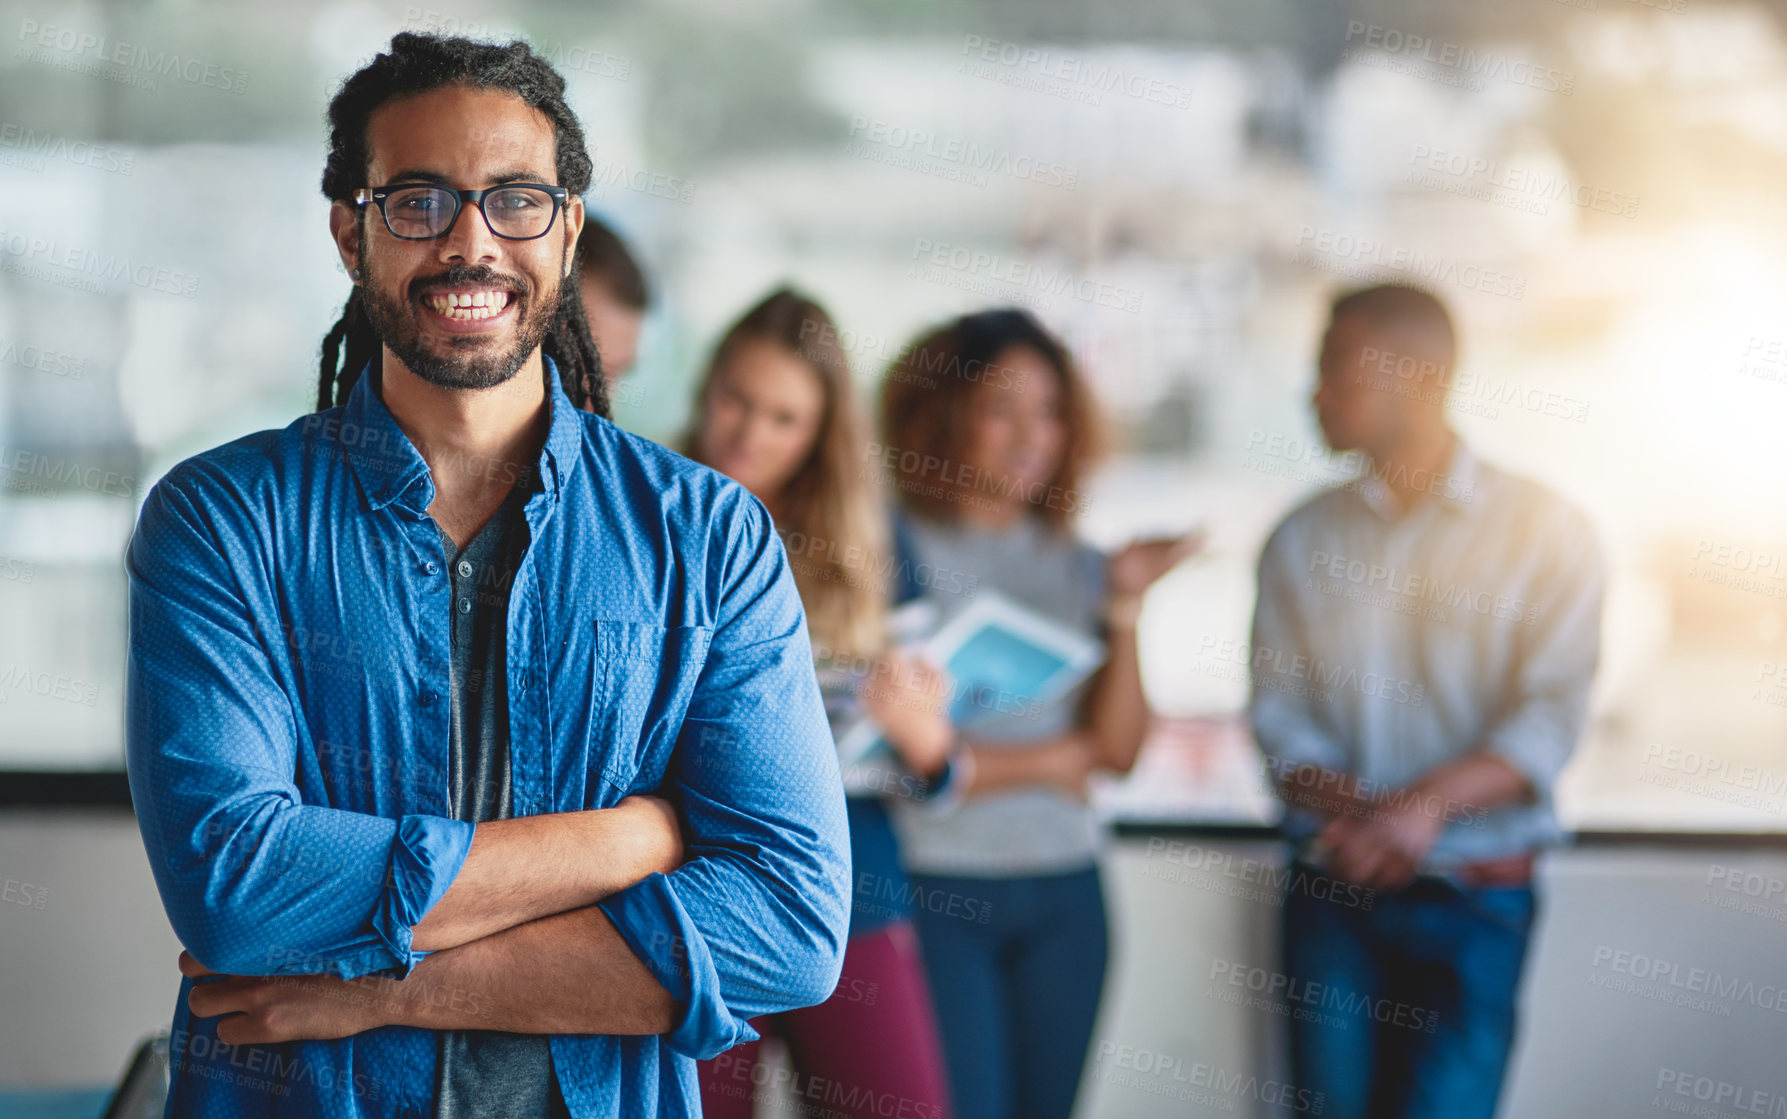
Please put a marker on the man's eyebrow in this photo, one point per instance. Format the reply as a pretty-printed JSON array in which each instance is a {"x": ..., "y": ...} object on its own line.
[
  {"x": 520, "y": 175},
  {"x": 508, "y": 175}
]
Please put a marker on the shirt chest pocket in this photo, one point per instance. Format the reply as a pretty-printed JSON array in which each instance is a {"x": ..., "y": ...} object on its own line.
[{"x": 643, "y": 678}]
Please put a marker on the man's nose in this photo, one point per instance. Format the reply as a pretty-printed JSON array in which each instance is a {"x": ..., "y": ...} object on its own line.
[{"x": 469, "y": 239}]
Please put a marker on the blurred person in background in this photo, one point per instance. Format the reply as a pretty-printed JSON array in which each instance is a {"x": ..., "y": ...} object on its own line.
[
  {"x": 615, "y": 297},
  {"x": 405, "y": 677},
  {"x": 987, "y": 431},
  {"x": 1423, "y": 645},
  {"x": 776, "y": 412}
]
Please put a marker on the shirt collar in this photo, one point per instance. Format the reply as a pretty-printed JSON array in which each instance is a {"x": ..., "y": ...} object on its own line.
[
  {"x": 1455, "y": 491},
  {"x": 564, "y": 433},
  {"x": 389, "y": 466}
]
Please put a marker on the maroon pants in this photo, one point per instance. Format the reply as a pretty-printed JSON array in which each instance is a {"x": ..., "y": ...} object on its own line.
[{"x": 870, "y": 1050}]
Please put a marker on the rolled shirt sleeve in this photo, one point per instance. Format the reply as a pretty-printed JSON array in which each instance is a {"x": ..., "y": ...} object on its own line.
[
  {"x": 254, "y": 881},
  {"x": 1547, "y": 705},
  {"x": 755, "y": 921}
]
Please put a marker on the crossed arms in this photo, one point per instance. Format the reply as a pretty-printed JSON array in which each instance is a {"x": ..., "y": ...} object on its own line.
[
  {"x": 516, "y": 944},
  {"x": 327, "y": 922}
]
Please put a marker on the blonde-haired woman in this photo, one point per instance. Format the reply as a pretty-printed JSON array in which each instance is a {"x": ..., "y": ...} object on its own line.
[{"x": 777, "y": 413}]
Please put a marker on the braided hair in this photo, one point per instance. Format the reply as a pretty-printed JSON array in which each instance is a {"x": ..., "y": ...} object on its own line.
[{"x": 418, "y": 63}]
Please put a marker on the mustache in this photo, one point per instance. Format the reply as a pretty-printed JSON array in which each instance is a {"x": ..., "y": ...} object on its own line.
[{"x": 481, "y": 275}]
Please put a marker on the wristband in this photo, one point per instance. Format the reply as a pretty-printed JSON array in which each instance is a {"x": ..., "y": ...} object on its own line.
[{"x": 948, "y": 790}]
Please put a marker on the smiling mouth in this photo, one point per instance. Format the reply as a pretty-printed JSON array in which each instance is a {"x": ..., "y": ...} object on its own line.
[{"x": 468, "y": 306}]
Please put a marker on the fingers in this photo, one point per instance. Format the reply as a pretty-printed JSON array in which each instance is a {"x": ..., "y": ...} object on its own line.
[
  {"x": 928, "y": 676},
  {"x": 1165, "y": 553},
  {"x": 1396, "y": 875},
  {"x": 1372, "y": 858},
  {"x": 1359, "y": 852},
  {"x": 191, "y": 967},
  {"x": 248, "y": 1029},
  {"x": 935, "y": 677},
  {"x": 1337, "y": 832},
  {"x": 227, "y": 995},
  {"x": 1359, "y": 862},
  {"x": 1392, "y": 871},
  {"x": 237, "y": 1030}
]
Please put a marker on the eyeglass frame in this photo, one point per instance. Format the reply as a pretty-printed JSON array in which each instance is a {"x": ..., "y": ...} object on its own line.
[{"x": 560, "y": 199}]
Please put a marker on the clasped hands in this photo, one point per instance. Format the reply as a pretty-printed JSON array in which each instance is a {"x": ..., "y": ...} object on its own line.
[{"x": 1377, "y": 844}]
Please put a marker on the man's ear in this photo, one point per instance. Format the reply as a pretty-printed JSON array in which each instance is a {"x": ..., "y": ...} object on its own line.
[
  {"x": 344, "y": 227},
  {"x": 573, "y": 230}
]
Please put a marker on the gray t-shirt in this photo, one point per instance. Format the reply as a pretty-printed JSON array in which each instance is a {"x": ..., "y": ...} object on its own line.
[
  {"x": 1032, "y": 830},
  {"x": 483, "y": 1073}
]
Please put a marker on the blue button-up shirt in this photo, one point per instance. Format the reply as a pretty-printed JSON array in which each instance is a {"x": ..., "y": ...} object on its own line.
[
  {"x": 287, "y": 730},
  {"x": 1386, "y": 643}
]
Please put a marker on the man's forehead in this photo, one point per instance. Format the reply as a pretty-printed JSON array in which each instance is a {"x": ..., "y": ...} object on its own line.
[
  {"x": 459, "y": 133},
  {"x": 1398, "y": 335},
  {"x": 1352, "y": 326}
]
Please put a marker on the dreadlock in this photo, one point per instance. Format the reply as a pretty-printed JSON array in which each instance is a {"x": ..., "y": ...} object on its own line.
[{"x": 418, "y": 63}]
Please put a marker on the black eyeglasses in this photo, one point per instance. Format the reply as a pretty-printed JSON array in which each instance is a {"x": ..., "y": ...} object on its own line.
[{"x": 513, "y": 211}]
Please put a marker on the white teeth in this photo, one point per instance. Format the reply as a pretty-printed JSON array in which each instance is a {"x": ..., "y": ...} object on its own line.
[{"x": 468, "y": 306}]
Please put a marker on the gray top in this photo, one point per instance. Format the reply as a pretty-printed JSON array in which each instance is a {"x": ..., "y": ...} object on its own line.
[
  {"x": 484, "y": 1072},
  {"x": 1384, "y": 644},
  {"x": 1035, "y": 829}
]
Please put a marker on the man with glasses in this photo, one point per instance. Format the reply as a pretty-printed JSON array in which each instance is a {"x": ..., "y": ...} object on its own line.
[{"x": 474, "y": 742}]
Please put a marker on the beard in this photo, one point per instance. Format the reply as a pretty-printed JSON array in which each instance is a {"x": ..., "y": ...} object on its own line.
[{"x": 466, "y": 364}]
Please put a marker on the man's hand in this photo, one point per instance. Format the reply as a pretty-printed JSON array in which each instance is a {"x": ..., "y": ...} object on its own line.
[
  {"x": 1325, "y": 792},
  {"x": 1379, "y": 841},
  {"x": 1381, "y": 850},
  {"x": 570, "y": 973},
  {"x": 267, "y": 1009}
]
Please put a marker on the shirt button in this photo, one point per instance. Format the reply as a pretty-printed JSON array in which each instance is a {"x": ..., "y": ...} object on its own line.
[
  {"x": 465, "y": 569},
  {"x": 432, "y": 567},
  {"x": 465, "y": 606},
  {"x": 427, "y": 699}
]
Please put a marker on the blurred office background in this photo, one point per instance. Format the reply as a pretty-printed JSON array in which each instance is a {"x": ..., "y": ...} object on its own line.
[{"x": 1177, "y": 188}]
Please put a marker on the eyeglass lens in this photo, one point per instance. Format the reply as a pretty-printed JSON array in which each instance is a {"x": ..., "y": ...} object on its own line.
[{"x": 425, "y": 211}]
